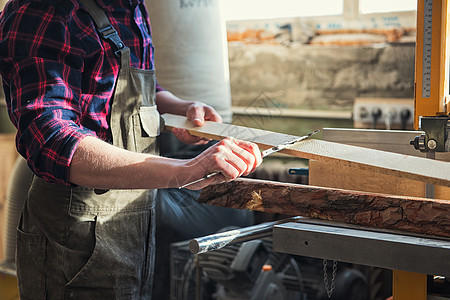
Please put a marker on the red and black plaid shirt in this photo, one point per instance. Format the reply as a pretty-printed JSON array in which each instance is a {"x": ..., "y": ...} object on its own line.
[{"x": 59, "y": 75}]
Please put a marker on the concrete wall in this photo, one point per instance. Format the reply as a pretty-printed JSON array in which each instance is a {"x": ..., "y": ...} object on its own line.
[{"x": 320, "y": 77}]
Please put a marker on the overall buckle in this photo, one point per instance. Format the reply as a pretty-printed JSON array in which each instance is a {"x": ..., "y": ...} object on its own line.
[{"x": 110, "y": 33}]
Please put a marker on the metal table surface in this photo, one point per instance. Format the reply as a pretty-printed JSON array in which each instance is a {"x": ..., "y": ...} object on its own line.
[{"x": 352, "y": 244}]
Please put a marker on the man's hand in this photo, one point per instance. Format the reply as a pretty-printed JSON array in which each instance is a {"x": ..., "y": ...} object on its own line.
[
  {"x": 197, "y": 113},
  {"x": 230, "y": 157}
]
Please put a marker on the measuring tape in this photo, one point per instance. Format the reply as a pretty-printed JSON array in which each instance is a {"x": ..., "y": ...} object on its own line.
[{"x": 427, "y": 39}]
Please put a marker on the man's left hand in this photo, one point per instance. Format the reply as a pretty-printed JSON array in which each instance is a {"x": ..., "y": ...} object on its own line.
[{"x": 197, "y": 113}]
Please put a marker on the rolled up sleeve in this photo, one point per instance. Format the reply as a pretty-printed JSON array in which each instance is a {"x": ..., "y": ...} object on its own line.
[{"x": 41, "y": 68}]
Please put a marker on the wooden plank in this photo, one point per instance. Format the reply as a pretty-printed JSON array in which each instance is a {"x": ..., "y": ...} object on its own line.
[
  {"x": 399, "y": 165},
  {"x": 8, "y": 154},
  {"x": 350, "y": 178},
  {"x": 416, "y": 215}
]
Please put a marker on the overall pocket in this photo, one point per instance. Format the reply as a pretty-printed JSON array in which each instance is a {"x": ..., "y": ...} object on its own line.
[
  {"x": 146, "y": 129},
  {"x": 117, "y": 265},
  {"x": 30, "y": 259}
]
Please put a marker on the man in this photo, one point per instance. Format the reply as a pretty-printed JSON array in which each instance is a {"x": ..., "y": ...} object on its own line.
[{"x": 80, "y": 87}]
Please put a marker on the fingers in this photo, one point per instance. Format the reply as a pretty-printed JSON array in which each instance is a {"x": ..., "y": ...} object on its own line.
[
  {"x": 230, "y": 158},
  {"x": 198, "y": 113},
  {"x": 255, "y": 155},
  {"x": 235, "y": 158},
  {"x": 184, "y": 136}
]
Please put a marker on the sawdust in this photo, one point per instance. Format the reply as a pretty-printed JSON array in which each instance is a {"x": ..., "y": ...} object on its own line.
[{"x": 256, "y": 202}]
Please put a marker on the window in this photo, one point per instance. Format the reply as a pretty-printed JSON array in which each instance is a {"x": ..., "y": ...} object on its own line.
[
  {"x": 379, "y": 6},
  {"x": 267, "y": 9}
]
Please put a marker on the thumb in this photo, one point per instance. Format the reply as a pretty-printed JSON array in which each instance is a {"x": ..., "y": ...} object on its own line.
[
  {"x": 197, "y": 116},
  {"x": 198, "y": 121}
]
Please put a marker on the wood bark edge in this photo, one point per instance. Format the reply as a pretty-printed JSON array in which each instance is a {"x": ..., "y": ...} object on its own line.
[{"x": 415, "y": 215}]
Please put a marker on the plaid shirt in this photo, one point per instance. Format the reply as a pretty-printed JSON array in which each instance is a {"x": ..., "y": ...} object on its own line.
[{"x": 59, "y": 75}]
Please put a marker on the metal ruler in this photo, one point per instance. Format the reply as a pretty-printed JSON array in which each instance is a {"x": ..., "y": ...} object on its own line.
[{"x": 427, "y": 40}]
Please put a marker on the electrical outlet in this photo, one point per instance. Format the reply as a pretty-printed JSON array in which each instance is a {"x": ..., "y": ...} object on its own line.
[{"x": 383, "y": 113}]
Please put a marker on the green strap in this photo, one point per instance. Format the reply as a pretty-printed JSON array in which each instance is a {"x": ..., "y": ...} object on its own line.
[{"x": 104, "y": 27}]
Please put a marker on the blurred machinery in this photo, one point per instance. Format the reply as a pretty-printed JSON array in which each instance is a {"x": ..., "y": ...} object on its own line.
[
  {"x": 383, "y": 113},
  {"x": 253, "y": 271}
]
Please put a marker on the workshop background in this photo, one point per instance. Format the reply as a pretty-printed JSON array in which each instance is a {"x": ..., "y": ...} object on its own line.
[{"x": 352, "y": 67}]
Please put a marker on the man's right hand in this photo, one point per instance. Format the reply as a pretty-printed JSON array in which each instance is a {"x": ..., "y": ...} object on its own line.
[{"x": 230, "y": 157}]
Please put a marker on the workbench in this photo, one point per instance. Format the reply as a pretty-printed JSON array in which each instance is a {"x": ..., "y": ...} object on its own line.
[{"x": 345, "y": 243}]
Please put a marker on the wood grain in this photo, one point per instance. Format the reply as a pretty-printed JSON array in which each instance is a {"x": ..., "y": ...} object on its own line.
[
  {"x": 409, "y": 214},
  {"x": 350, "y": 178},
  {"x": 398, "y": 165}
]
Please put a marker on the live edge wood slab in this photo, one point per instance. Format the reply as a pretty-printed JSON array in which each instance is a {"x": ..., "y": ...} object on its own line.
[
  {"x": 399, "y": 165},
  {"x": 416, "y": 215}
]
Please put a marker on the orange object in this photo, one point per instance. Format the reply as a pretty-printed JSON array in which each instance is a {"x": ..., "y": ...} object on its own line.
[
  {"x": 408, "y": 285},
  {"x": 266, "y": 268},
  {"x": 435, "y": 100}
]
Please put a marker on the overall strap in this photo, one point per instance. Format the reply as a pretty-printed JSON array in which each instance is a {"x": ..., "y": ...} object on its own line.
[{"x": 103, "y": 25}]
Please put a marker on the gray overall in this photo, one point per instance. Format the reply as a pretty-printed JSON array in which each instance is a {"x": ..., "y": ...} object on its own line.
[{"x": 83, "y": 243}]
